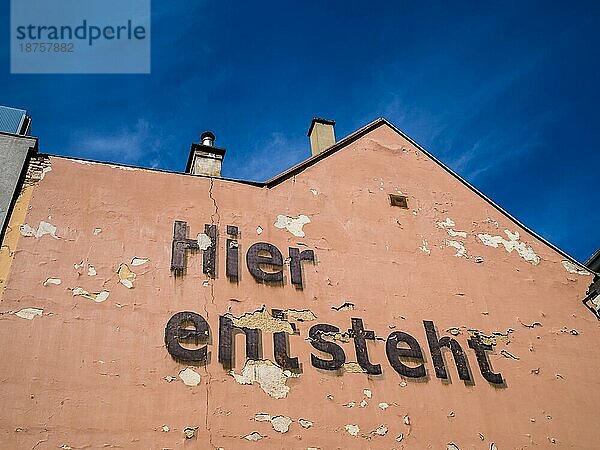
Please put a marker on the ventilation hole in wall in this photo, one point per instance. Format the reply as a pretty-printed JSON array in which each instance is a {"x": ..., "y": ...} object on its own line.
[{"x": 399, "y": 200}]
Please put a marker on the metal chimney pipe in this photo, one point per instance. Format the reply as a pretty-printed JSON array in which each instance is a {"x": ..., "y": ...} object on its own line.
[{"x": 208, "y": 138}]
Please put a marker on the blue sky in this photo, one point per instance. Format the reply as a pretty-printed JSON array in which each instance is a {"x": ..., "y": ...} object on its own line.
[{"x": 505, "y": 93}]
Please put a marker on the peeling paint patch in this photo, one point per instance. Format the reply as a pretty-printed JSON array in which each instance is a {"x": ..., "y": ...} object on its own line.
[
  {"x": 573, "y": 268},
  {"x": 281, "y": 424},
  {"x": 363, "y": 403},
  {"x": 262, "y": 417},
  {"x": 169, "y": 378},
  {"x": 190, "y": 377},
  {"x": 349, "y": 404},
  {"x": 347, "y": 306},
  {"x": 380, "y": 431},
  {"x": 97, "y": 231},
  {"x": 98, "y": 297},
  {"x": 126, "y": 276},
  {"x": 302, "y": 315},
  {"x": 383, "y": 406},
  {"x": 261, "y": 320},
  {"x": 352, "y": 430},
  {"x": 136, "y": 261},
  {"x": 29, "y": 313},
  {"x": 452, "y": 446},
  {"x": 166, "y": 428},
  {"x": 453, "y": 233},
  {"x": 91, "y": 271},
  {"x": 203, "y": 241},
  {"x": 368, "y": 393},
  {"x": 271, "y": 378},
  {"x": 461, "y": 251},
  {"x": 314, "y": 191},
  {"x": 448, "y": 223},
  {"x": 305, "y": 423},
  {"x": 254, "y": 436},
  {"x": 189, "y": 432},
  {"x": 55, "y": 281},
  {"x": 43, "y": 229},
  {"x": 292, "y": 224},
  {"x": 510, "y": 244},
  {"x": 259, "y": 230},
  {"x": 353, "y": 367},
  {"x": 425, "y": 247}
]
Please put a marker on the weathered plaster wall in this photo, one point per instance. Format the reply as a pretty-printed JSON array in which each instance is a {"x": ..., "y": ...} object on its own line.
[{"x": 92, "y": 272}]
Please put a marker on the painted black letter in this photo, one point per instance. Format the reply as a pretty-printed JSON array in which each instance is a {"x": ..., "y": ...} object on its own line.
[
  {"x": 254, "y": 260},
  {"x": 226, "y": 342},
  {"x": 181, "y": 243},
  {"x": 296, "y": 258},
  {"x": 175, "y": 333},
  {"x": 413, "y": 351},
  {"x": 209, "y": 256},
  {"x": 435, "y": 346},
  {"x": 360, "y": 336},
  {"x": 231, "y": 263},
  {"x": 484, "y": 365},
  {"x": 317, "y": 341}
]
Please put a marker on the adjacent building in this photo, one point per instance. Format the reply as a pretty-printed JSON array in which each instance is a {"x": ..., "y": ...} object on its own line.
[{"x": 367, "y": 297}]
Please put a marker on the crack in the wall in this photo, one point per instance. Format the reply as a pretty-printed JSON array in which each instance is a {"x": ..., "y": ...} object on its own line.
[{"x": 214, "y": 217}]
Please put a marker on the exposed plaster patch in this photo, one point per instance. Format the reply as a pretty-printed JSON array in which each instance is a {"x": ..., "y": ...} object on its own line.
[
  {"x": 425, "y": 247},
  {"x": 406, "y": 420},
  {"x": 349, "y": 404},
  {"x": 383, "y": 406},
  {"x": 314, "y": 191},
  {"x": 97, "y": 231},
  {"x": 169, "y": 378},
  {"x": 573, "y": 268},
  {"x": 452, "y": 446},
  {"x": 453, "y": 233},
  {"x": 302, "y": 315},
  {"x": 166, "y": 428},
  {"x": 271, "y": 378},
  {"x": 353, "y": 367},
  {"x": 261, "y": 320},
  {"x": 98, "y": 297},
  {"x": 203, "y": 241},
  {"x": 363, "y": 403},
  {"x": 189, "y": 432},
  {"x": 305, "y": 423},
  {"x": 400, "y": 437},
  {"x": 347, "y": 306},
  {"x": 352, "y": 430},
  {"x": 78, "y": 265},
  {"x": 448, "y": 223},
  {"x": 259, "y": 230},
  {"x": 136, "y": 261},
  {"x": 190, "y": 377},
  {"x": 126, "y": 276},
  {"x": 262, "y": 417},
  {"x": 91, "y": 271},
  {"x": 55, "y": 281},
  {"x": 368, "y": 393},
  {"x": 43, "y": 229},
  {"x": 510, "y": 244},
  {"x": 461, "y": 251},
  {"x": 29, "y": 313},
  {"x": 254, "y": 436},
  {"x": 292, "y": 224},
  {"x": 380, "y": 431},
  {"x": 281, "y": 424}
]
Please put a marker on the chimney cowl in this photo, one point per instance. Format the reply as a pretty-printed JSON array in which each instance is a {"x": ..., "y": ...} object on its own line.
[{"x": 207, "y": 138}]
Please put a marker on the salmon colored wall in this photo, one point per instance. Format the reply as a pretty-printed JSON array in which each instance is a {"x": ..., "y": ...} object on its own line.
[{"x": 89, "y": 373}]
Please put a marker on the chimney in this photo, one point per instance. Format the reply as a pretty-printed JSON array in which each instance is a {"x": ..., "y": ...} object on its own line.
[
  {"x": 321, "y": 135},
  {"x": 205, "y": 158}
]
